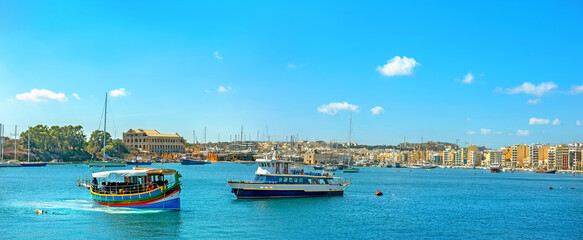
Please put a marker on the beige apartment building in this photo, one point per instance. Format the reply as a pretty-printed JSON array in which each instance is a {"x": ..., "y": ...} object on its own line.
[
  {"x": 154, "y": 142},
  {"x": 324, "y": 158}
]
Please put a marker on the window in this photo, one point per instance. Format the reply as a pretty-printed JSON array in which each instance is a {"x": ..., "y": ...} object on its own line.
[{"x": 296, "y": 180}]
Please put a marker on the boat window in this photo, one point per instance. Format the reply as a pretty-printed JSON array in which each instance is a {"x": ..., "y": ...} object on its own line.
[
  {"x": 280, "y": 179},
  {"x": 296, "y": 180},
  {"x": 301, "y": 180},
  {"x": 325, "y": 181}
]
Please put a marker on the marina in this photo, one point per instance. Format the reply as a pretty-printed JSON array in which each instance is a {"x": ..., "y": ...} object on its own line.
[{"x": 411, "y": 200}]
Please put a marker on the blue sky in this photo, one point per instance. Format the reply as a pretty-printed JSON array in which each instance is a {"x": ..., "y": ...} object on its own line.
[{"x": 439, "y": 70}]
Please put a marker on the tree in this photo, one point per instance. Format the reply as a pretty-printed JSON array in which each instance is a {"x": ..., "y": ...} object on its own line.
[{"x": 95, "y": 143}]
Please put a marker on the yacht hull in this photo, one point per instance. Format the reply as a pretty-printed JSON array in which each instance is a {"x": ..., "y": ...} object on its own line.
[{"x": 257, "y": 190}]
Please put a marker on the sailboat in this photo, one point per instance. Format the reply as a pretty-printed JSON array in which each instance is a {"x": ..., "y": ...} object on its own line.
[
  {"x": 33, "y": 164},
  {"x": 350, "y": 168},
  {"x": 2, "y": 139},
  {"x": 105, "y": 163}
]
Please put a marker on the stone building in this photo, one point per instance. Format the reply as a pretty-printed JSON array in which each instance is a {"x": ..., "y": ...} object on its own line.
[{"x": 154, "y": 142}]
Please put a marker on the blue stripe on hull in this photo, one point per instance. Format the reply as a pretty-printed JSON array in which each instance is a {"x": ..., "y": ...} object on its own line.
[
  {"x": 173, "y": 204},
  {"x": 245, "y": 193}
]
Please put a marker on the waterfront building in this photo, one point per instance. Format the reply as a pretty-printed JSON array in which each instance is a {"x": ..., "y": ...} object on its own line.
[
  {"x": 460, "y": 156},
  {"x": 575, "y": 157},
  {"x": 493, "y": 156},
  {"x": 519, "y": 154},
  {"x": 326, "y": 158},
  {"x": 448, "y": 156},
  {"x": 475, "y": 158},
  {"x": 551, "y": 159},
  {"x": 562, "y": 157},
  {"x": 537, "y": 155},
  {"x": 153, "y": 141}
]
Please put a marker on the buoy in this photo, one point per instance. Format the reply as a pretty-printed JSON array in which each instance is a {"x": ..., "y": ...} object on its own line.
[
  {"x": 573, "y": 174},
  {"x": 572, "y": 188},
  {"x": 378, "y": 193},
  {"x": 550, "y": 187},
  {"x": 38, "y": 211},
  {"x": 427, "y": 170}
]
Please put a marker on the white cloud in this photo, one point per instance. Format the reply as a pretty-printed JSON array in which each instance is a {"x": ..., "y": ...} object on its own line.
[
  {"x": 217, "y": 55},
  {"x": 470, "y": 132},
  {"x": 118, "y": 92},
  {"x": 531, "y": 89},
  {"x": 291, "y": 65},
  {"x": 377, "y": 110},
  {"x": 556, "y": 122},
  {"x": 76, "y": 96},
  {"x": 41, "y": 95},
  {"x": 398, "y": 66},
  {"x": 224, "y": 89},
  {"x": 497, "y": 133},
  {"x": 485, "y": 131},
  {"x": 578, "y": 123},
  {"x": 534, "y": 101},
  {"x": 576, "y": 89},
  {"x": 469, "y": 78},
  {"x": 333, "y": 108},
  {"x": 468, "y": 119},
  {"x": 522, "y": 132},
  {"x": 538, "y": 121}
]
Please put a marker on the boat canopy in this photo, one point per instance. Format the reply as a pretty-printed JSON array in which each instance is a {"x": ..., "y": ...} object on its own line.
[{"x": 120, "y": 173}]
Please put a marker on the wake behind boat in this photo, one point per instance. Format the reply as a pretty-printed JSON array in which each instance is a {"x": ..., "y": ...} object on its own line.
[{"x": 276, "y": 179}]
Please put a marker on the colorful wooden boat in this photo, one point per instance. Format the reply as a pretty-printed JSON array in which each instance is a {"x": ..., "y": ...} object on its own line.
[{"x": 137, "y": 188}]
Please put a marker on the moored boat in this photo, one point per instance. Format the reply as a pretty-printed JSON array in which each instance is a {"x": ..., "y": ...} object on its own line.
[
  {"x": 318, "y": 167},
  {"x": 542, "y": 170},
  {"x": 33, "y": 164},
  {"x": 350, "y": 169},
  {"x": 276, "y": 179},
  {"x": 186, "y": 160},
  {"x": 136, "y": 188},
  {"x": 495, "y": 168}
]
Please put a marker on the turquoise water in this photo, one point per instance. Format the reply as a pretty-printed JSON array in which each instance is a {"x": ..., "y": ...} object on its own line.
[{"x": 418, "y": 204}]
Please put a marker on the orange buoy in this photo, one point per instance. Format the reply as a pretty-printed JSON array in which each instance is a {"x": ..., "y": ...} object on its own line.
[{"x": 378, "y": 193}]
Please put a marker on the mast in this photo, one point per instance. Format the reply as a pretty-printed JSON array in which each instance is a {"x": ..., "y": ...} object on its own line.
[
  {"x": 1, "y": 142},
  {"x": 349, "y": 140},
  {"x": 15, "y": 127},
  {"x": 104, "y": 126},
  {"x": 28, "y": 144}
]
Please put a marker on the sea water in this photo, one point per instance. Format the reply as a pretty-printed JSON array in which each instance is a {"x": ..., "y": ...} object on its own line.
[{"x": 417, "y": 204}]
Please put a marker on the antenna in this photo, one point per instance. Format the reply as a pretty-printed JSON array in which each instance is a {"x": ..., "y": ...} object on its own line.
[{"x": 104, "y": 126}]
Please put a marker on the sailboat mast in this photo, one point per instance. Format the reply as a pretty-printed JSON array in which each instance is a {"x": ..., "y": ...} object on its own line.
[
  {"x": 15, "y": 130},
  {"x": 349, "y": 140},
  {"x": 28, "y": 144},
  {"x": 104, "y": 126}
]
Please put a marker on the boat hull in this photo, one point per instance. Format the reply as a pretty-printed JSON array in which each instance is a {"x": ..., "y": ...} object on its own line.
[
  {"x": 495, "y": 170},
  {"x": 107, "y": 164},
  {"x": 159, "y": 198},
  {"x": 33, "y": 164},
  {"x": 139, "y": 163},
  {"x": 257, "y": 190},
  {"x": 192, "y": 162},
  {"x": 546, "y": 171},
  {"x": 10, "y": 165}
]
